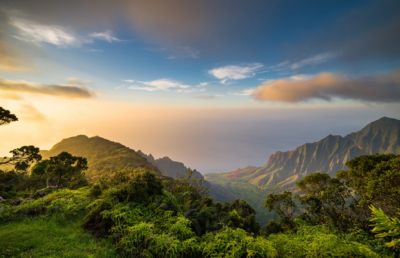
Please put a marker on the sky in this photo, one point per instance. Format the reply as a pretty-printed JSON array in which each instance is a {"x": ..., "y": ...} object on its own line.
[{"x": 217, "y": 85}]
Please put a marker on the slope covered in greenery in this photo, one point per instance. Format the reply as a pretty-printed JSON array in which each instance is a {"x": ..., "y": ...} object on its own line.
[
  {"x": 49, "y": 208},
  {"x": 103, "y": 156},
  {"x": 141, "y": 215}
]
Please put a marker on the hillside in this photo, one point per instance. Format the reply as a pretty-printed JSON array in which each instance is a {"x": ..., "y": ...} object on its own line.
[
  {"x": 105, "y": 156},
  {"x": 329, "y": 155},
  {"x": 169, "y": 167}
]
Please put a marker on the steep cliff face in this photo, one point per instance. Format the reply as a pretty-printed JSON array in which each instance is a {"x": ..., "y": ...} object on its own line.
[{"x": 329, "y": 155}]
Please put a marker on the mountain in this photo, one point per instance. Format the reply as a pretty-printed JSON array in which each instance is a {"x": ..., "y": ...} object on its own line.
[
  {"x": 106, "y": 156},
  {"x": 329, "y": 155},
  {"x": 171, "y": 168}
]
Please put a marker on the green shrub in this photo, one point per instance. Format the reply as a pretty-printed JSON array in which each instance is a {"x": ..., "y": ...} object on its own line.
[
  {"x": 236, "y": 243},
  {"x": 63, "y": 203},
  {"x": 318, "y": 241}
]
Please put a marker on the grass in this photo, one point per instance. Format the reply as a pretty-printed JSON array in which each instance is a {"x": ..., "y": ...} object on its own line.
[{"x": 46, "y": 237}]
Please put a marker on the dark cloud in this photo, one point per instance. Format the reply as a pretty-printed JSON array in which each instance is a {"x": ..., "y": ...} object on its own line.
[
  {"x": 361, "y": 36},
  {"x": 66, "y": 91},
  {"x": 354, "y": 32},
  {"x": 325, "y": 86}
]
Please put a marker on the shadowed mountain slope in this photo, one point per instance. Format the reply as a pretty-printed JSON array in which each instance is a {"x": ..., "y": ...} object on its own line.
[{"x": 329, "y": 155}]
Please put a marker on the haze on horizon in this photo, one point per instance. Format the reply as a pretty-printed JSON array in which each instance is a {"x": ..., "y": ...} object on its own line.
[{"x": 215, "y": 84}]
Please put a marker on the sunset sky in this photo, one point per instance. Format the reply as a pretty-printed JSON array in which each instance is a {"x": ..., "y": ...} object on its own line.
[{"x": 215, "y": 84}]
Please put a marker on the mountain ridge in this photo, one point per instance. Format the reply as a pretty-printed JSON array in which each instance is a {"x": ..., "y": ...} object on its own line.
[
  {"x": 106, "y": 156},
  {"x": 284, "y": 168}
]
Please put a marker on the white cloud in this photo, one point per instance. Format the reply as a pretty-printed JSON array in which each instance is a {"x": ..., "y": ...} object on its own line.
[
  {"x": 157, "y": 85},
  {"x": 235, "y": 72},
  {"x": 105, "y": 35},
  {"x": 31, "y": 31},
  {"x": 164, "y": 85},
  {"x": 38, "y": 33}
]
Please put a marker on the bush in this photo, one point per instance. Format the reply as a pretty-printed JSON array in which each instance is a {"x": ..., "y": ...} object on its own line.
[
  {"x": 318, "y": 241},
  {"x": 236, "y": 243},
  {"x": 63, "y": 203}
]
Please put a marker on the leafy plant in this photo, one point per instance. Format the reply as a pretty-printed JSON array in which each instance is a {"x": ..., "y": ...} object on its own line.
[{"x": 385, "y": 227}]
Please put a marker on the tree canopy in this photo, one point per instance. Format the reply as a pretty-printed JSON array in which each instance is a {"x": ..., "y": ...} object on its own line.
[{"x": 6, "y": 116}]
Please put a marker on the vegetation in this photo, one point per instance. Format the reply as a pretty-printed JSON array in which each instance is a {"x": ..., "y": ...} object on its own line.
[
  {"x": 48, "y": 208},
  {"x": 6, "y": 116},
  {"x": 386, "y": 227}
]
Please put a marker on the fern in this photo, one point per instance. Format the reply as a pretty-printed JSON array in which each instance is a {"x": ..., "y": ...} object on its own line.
[{"x": 386, "y": 227}]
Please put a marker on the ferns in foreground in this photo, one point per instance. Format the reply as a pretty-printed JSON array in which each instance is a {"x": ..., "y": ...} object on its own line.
[{"x": 386, "y": 227}]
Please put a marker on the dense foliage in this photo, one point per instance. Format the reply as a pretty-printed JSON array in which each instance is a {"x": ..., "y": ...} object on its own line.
[{"x": 139, "y": 213}]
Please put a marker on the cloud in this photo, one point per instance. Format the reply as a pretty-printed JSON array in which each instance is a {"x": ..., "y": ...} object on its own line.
[
  {"x": 38, "y": 33},
  {"x": 164, "y": 85},
  {"x": 298, "y": 64},
  {"x": 31, "y": 113},
  {"x": 157, "y": 85},
  {"x": 66, "y": 91},
  {"x": 246, "y": 28},
  {"x": 235, "y": 72},
  {"x": 313, "y": 60},
  {"x": 105, "y": 36},
  {"x": 326, "y": 86}
]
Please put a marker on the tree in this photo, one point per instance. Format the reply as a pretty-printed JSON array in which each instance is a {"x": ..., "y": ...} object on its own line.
[
  {"x": 23, "y": 157},
  {"x": 6, "y": 116},
  {"x": 242, "y": 215},
  {"x": 375, "y": 180},
  {"x": 325, "y": 200},
  {"x": 143, "y": 186},
  {"x": 64, "y": 170},
  {"x": 284, "y": 205}
]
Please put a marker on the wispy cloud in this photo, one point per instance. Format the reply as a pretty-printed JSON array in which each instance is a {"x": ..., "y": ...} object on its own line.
[
  {"x": 235, "y": 72},
  {"x": 164, "y": 85},
  {"x": 66, "y": 91},
  {"x": 298, "y": 64},
  {"x": 59, "y": 36},
  {"x": 313, "y": 60},
  {"x": 326, "y": 86},
  {"x": 156, "y": 85},
  {"x": 31, "y": 113},
  {"x": 105, "y": 36},
  {"x": 39, "y": 33}
]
